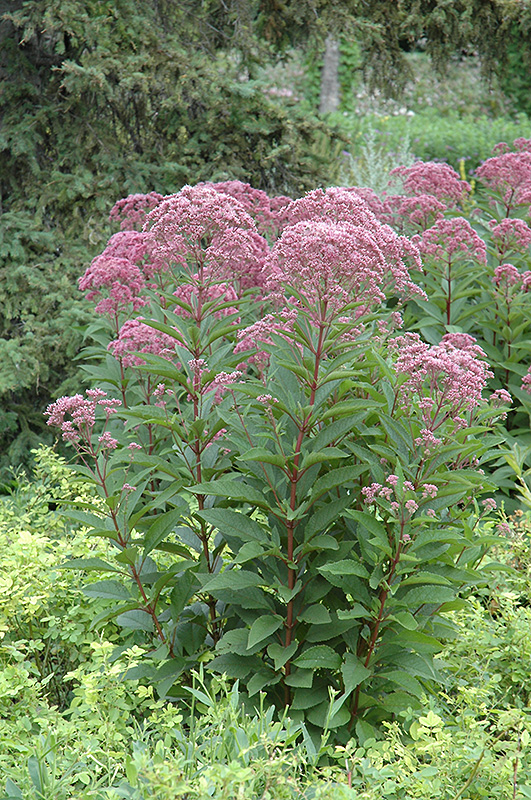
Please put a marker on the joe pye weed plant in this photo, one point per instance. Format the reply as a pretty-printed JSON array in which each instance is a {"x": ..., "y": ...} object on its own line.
[{"x": 290, "y": 483}]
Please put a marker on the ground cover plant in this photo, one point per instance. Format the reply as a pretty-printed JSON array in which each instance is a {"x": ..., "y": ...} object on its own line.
[{"x": 293, "y": 443}]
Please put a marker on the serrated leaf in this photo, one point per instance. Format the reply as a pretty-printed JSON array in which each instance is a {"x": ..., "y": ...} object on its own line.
[
  {"x": 260, "y": 679},
  {"x": 225, "y": 487},
  {"x": 353, "y": 672},
  {"x": 262, "y": 455},
  {"x": 111, "y": 590},
  {"x": 262, "y": 628},
  {"x": 233, "y": 523},
  {"x": 344, "y": 567},
  {"x": 136, "y": 619},
  {"x": 328, "y": 454},
  {"x": 341, "y": 476},
  {"x": 300, "y": 677},
  {"x": 318, "y": 657},
  {"x": 356, "y": 612},
  {"x": 233, "y": 579},
  {"x": 248, "y": 552},
  {"x": 162, "y": 527},
  {"x": 281, "y": 654},
  {"x": 316, "y": 614},
  {"x": 420, "y": 595}
]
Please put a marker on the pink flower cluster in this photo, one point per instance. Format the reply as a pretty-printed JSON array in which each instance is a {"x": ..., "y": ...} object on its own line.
[
  {"x": 76, "y": 416},
  {"x": 339, "y": 252},
  {"x": 509, "y": 174},
  {"x": 432, "y": 178},
  {"x": 132, "y": 210},
  {"x": 209, "y": 234},
  {"x": 449, "y": 237},
  {"x": 123, "y": 281},
  {"x": 386, "y": 493},
  {"x": 526, "y": 381},
  {"x": 260, "y": 332},
  {"x": 510, "y": 235},
  {"x": 444, "y": 379},
  {"x": 420, "y": 211},
  {"x": 137, "y": 337},
  {"x": 269, "y": 213}
]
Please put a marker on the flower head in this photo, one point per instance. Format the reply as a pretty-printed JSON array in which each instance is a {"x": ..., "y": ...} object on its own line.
[{"x": 433, "y": 178}]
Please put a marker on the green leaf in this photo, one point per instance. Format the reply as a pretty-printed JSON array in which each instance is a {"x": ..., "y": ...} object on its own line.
[
  {"x": 319, "y": 657},
  {"x": 371, "y": 524},
  {"x": 420, "y": 595},
  {"x": 300, "y": 677},
  {"x": 225, "y": 487},
  {"x": 233, "y": 523},
  {"x": 328, "y": 454},
  {"x": 235, "y": 665},
  {"x": 248, "y": 552},
  {"x": 405, "y": 680},
  {"x": 163, "y": 525},
  {"x": 233, "y": 579},
  {"x": 262, "y": 455},
  {"x": 182, "y": 592},
  {"x": 89, "y": 564},
  {"x": 353, "y": 672},
  {"x": 136, "y": 619},
  {"x": 344, "y": 567},
  {"x": 341, "y": 476},
  {"x": 260, "y": 679},
  {"x": 262, "y": 628},
  {"x": 406, "y": 620},
  {"x": 281, "y": 654},
  {"x": 304, "y": 698},
  {"x": 13, "y": 792},
  {"x": 356, "y": 612},
  {"x": 111, "y": 590},
  {"x": 315, "y": 615}
]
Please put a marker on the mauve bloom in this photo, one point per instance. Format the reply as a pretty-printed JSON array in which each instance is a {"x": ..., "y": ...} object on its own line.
[
  {"x": 454, "y": 377},
  {"x": 132, "y": 210},
  {"x": 508, "y": 174},
  {"x": 510, "y": 235},
  {"x": 255, "y": 201},
  {"x": 500, "y": 397},
  {"x": 137, "y": 337},
  {"x": 122, "y": 281},
  {"x": 330, "y": 264},
  {"x": 82, "y": 413},
  {"x": 507, "y": 275},
  {"x": 432, "y": 178},
  {"x": 420, "y": 211},
  {"x": 450, "y": 236}
]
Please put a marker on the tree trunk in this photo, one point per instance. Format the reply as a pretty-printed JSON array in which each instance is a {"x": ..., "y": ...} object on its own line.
[{"x": 329, "y": 98}]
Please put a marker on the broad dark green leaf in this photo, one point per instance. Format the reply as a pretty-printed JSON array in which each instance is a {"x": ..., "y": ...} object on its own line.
[
  {"x": 281, "y": 654},
  {"x": 315, "y": 615},
  {"x": 232, "y": 579},
  {"x": 353, "y": 672},
  {"x": 233, "y": 523},
  {"x": 111, "y": 590},
  {"x": 318, "y": 657},
  {"x": 162, "y": 527},
  {"x": 344, "y": 567},
  {"x": 262, "y": 628}
]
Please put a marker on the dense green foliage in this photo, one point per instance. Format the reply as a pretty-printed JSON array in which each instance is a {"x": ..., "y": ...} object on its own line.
[{"x": 109, "y": 733}]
